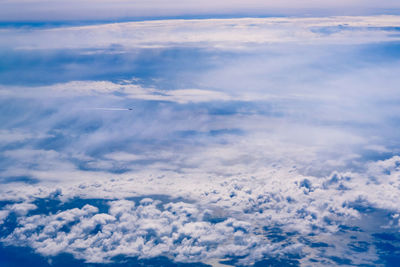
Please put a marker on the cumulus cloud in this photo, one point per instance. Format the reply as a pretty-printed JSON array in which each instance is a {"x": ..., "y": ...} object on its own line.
[
  {"x": 19, "y": 209},
  {"x": 3, "y": 215},
  {"x": 246, "y": 218}
]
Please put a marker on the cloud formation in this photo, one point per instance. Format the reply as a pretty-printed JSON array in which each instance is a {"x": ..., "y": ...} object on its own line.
[
  {"x": 267, "y": 217},
  {"x": 210, "y": 33},
  {"x": 249, "y": 139}
]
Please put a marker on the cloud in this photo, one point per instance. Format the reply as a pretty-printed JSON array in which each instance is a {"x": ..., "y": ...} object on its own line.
[
  {"x": 210, "y": 33},
  {"x": 8, "y": 136},
  {"x": 21, "y": 209},
  {"x": 3, "y": 215},
  {"x": 133, "y": 91},
  {"x": 255, "y": 139},
  {"x": 143, "y": 230},
  {"x": 123, "y": 156},
  {"x": 246, "y": 218},
  {"x": 16, "y": 135}
]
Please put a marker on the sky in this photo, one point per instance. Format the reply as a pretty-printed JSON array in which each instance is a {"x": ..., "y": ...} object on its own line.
[
  {"x": 89, "y": 10},
  {"x": 149, "y": 133}
]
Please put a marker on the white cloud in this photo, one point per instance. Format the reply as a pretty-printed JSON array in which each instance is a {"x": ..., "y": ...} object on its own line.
[
  {"x": 8, "y": 136},
  {"x": 3, "y": 215},
  {"x": 210, "y": 33},
  {"x": 142, "y": 230},
  {"x": 183, "y": 231},
  {"x": 133, "y": 91},
  {"x": 18, "y": 135},
  {"x": 21, "y": 209},
  {"x": 123, "y": 156}
]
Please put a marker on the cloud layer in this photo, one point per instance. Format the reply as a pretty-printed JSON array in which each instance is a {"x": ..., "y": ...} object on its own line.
[
  {"x": 243, "y": 140},
  {"x": 210, "y": 33},
  {"x": 226, "y": 218}
]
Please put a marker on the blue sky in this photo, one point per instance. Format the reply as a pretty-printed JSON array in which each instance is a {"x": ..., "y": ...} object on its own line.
[{"x": 233, "y": 139}]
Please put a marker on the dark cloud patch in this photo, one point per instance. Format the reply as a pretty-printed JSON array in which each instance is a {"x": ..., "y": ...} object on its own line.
[
  {"x": 23, "y": 256},
  {"x": 360, "y": 246},
  {"x": 273, "y": 262},
  {"x": 53, "y": 205},
  {"x": 115, "y": 63},
  {"x": 340, "y": 261},
  {"x": 19, "y": 179}
]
